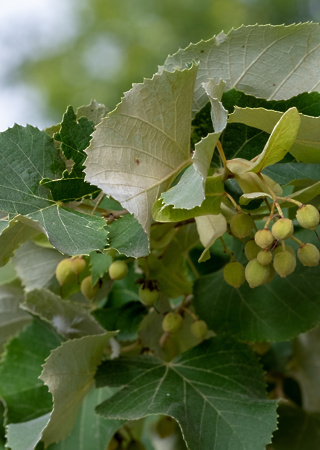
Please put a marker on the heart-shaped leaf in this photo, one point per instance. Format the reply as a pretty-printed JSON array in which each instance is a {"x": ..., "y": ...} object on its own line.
[
  {"x": 137, "y": 151},
  {"x": 215, "y": 391}
]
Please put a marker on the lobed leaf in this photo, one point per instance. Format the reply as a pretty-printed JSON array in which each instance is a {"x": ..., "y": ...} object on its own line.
[
  {"x": 29, "y": 155},
  {"x": 215, "y": 391}
]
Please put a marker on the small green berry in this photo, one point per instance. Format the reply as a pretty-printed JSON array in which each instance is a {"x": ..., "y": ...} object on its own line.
[
  {"x": 251, "y": 249},
  {"x": 172, "y": 322},
  {"x": 256, "y": 274},
  {"x": 233, "y": 274},
  {"x": 308, "y": 255},
  {"x": 282, "y": 229},
  {"x": 87, "y": 287},
  {"x": 308, "y": 217},
  {"x": 78, "y": 265},
  {"x": 64, "y": 272},
  {"x": 148, "y": 294},
  {"x": 118, "y": 270},
  {"x": 284, "y": 263},
  {"x": 241, "y": 225},
  {"x": 280, "y": 249},
  {"x": 199, "y": 329},
  {"x": 264, "y": 238},
  {"x": 264, "y": 257}
]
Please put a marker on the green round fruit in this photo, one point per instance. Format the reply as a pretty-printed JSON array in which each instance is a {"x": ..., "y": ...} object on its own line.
[
  {"x": 308, "y": 255},
  {"x": 256, "y": 274},
  {"x": 264, "y": 257},
  {"x": 308, "y": 217},
  {"x": 251, "y": 249},
  {"x": 241, "y": 225},
  {"x": 284, "y": 263},
  {"x": 147, "y": 295},
  {"x": 280, "y": 249},
  {"x": 271, "y": 275},
  {"x": 199, "y": 329},
  {"x": 64, "y": 273},
  {"x": 118, "y": 270},
  {"x": 87, "y": 287},
  {"x": 233, "y": 274},
  {"x": 78, "y": 265},
  {"x": 172, "y": 322},
  {"x": 264, "y": 238},
  {"x": 282, "y": 229}
]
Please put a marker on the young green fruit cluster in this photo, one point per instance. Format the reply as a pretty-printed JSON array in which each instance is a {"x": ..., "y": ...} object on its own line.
[
  {"x": 172, "y": 322},
  {"x": 267, "y": 253},
  {"x": 68, "y": 269}
]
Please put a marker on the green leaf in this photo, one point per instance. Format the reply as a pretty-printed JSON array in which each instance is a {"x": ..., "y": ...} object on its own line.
[
  {"x": 26, "y": 435},
  {"x": 99, "y": 265},
  {"x": 90, "y": 430},
  {"x": 75, "y": 136},
  {"x": 219, "y": 114},
  {"x": 68, "y": 318},
  {"x": 194, "y": 178},
  {"x": 210, "y": 228},
  {"x": 12, "y": 318},
  {"x": 305, "y": 368},
  {"x": 94, "y": 112},
  {"x": 249, "y": 54},
  {"x": 127, "y": 236},
  {"x": 125, "y": 319},
  {"x": 36, "y": 265},
  {"x": 279, "y": 143},
  {"x": 298, "y": 429},
  {"x": 307, "y": 145},
  {"x": 20, "y": 386},
  {"x": 13, "y": 236},
  {"x": 29, "y": 155},
  {"x": 77, "y": 356},
  {"x": 143, "y": 144},
  {"x": 290, "y": 173},
  {"x": 210, "y": 205},
  {"x": 258, "y": 314},
  {"x": 171, "y": 273},
  {"x": 215, "y": 391},
  {"x": 7, "y": 273}
]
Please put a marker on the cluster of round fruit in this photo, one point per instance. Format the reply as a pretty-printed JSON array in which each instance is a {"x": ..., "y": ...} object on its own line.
[
  {"x": 68, "y": 271},
  {"x": 173, "y": 322},
  {"x": 268, "y": 252}
]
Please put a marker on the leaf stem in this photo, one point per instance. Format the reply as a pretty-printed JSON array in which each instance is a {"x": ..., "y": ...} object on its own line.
[{"x": 221, "y": 153}]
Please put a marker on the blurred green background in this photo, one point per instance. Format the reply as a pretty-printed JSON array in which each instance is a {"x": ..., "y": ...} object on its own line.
[{"x": 98, "y": 48}]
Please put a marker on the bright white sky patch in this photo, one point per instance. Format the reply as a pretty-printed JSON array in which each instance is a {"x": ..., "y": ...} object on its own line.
[{"x": 29, "y": 29}]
